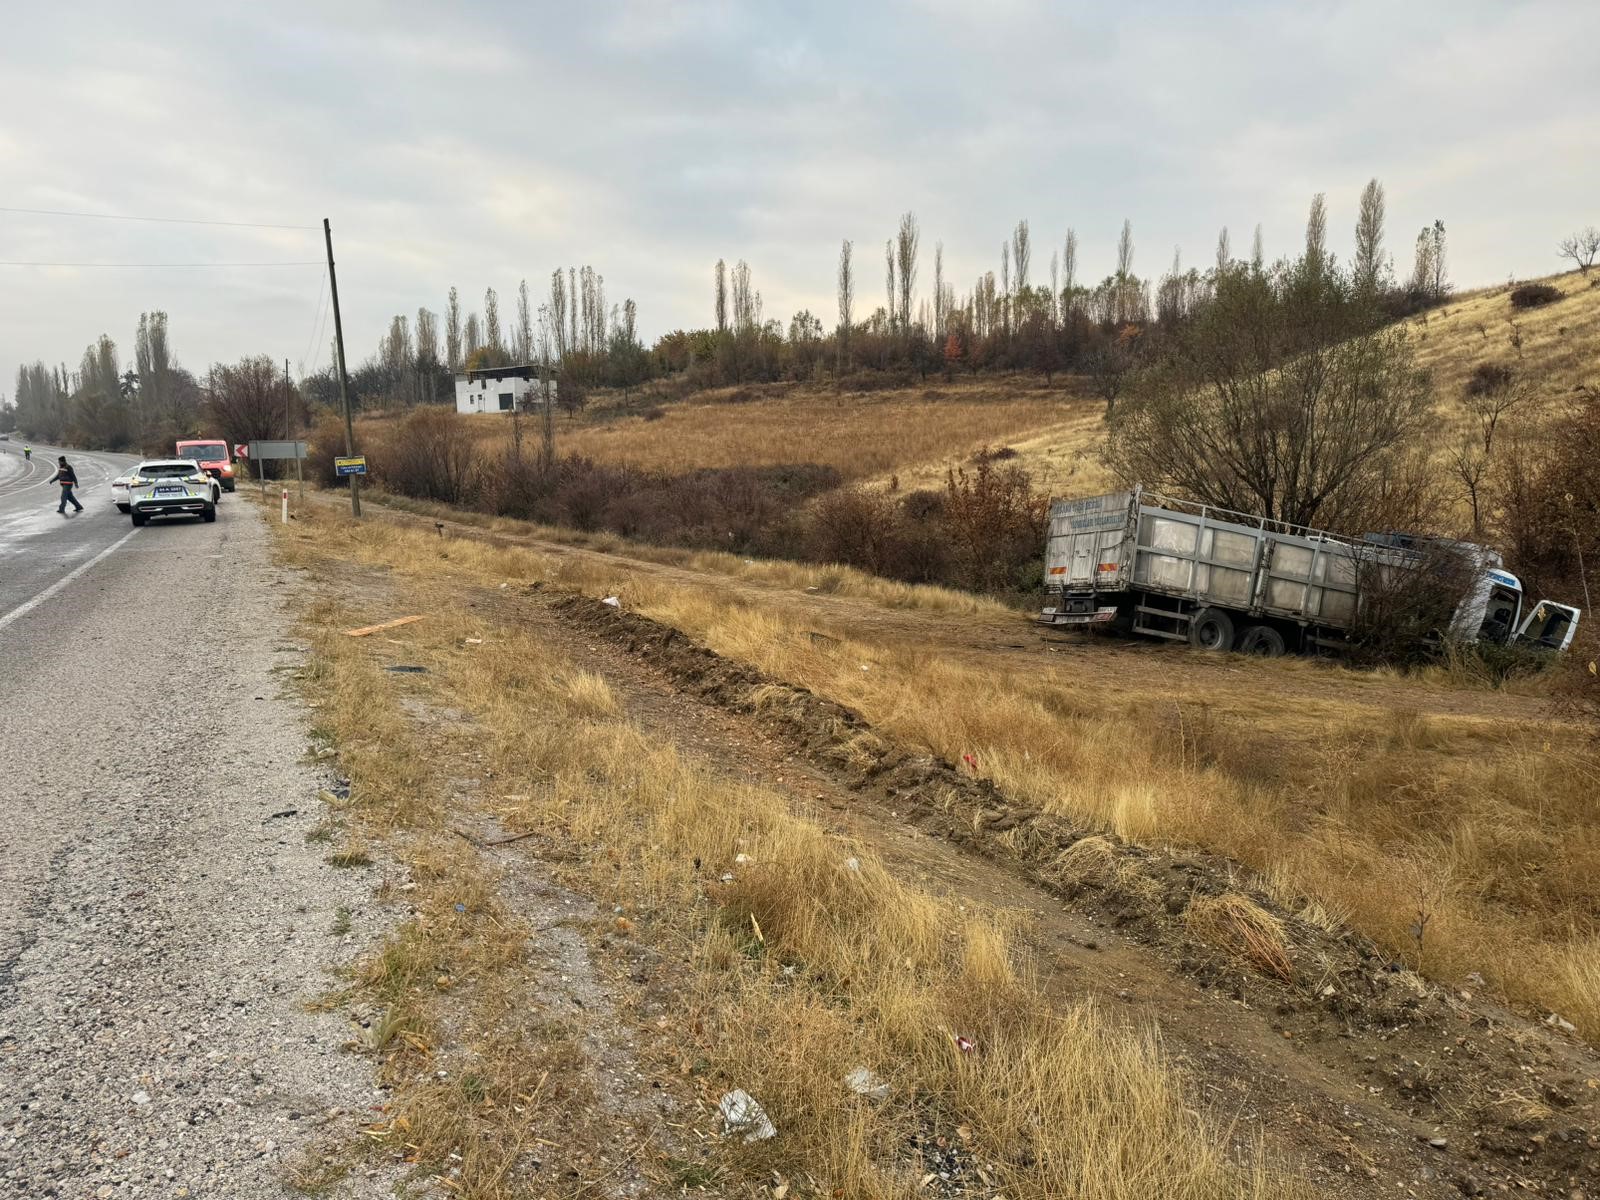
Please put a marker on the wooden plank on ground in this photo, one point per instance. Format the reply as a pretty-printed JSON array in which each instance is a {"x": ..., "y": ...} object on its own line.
[{"x": 366, "y": 629}]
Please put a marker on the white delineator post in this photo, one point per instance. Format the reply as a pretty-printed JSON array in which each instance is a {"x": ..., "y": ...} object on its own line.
[{"x": 285, "y": 506}]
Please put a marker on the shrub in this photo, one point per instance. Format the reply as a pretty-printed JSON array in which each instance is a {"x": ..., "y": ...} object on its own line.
[
  {"x": 430, "y": 456},
  {"x": 1489, "y": 378},
  {"x": 1532, "y": 295}
]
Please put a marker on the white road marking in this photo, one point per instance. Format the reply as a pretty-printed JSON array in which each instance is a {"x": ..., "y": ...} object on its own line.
[{"x": 24, "y": 609}]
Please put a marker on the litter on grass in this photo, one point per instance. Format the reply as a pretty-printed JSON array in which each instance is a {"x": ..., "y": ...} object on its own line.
[
  {"x": 743, "y": 1117},
  {"x": 863, "y": 1082}
]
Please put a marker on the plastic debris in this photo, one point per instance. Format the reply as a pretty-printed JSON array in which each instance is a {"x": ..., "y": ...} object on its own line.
[
  {"x": 864, "y": 1082},
  {"x": 852, "y": 864},
  {"x": 741, "y": 859},
  {"x": 743, "y": 1116},
  {"x": 965, "y": 1044},
  {"x": 460, "y": 907},
  {"x": 406, "y": 669},
  {"x": 613, "y": 601},
  {"x": 1556, "y": 1021},
  {"x": 970, "y": 761}
]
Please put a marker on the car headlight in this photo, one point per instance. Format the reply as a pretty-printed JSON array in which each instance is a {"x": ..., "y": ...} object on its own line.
[{"x": 195, "y": 478}]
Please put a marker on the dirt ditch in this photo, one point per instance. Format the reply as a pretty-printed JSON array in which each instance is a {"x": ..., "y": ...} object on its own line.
[{"x": 1384, "y": 1070}]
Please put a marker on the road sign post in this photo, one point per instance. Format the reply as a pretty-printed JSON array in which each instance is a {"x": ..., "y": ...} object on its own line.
[{"x": 261, "y": 451}]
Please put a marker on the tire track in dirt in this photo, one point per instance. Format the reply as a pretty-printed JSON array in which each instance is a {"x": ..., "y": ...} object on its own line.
[{"x": 1355, "y": 1067}]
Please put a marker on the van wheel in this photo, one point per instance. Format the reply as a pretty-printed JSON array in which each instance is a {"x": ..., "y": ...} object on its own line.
[
  {"x": 1211, "y": 629},
  {"x": 1263, "y": 641}
]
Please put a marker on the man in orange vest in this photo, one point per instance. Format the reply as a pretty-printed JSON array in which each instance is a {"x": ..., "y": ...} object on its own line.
[{"x": 68, "y": 479}]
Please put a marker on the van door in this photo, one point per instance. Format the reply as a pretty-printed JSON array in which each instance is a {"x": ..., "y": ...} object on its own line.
[{"x": 1550, "y": 626}]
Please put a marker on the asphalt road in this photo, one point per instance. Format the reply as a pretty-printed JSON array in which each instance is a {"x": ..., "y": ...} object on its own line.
[{"x": 163, "y": 915}]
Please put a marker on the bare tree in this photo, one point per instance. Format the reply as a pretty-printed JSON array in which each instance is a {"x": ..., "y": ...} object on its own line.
[
  {"x": 427, "y": 337},
  {"x": 847, "y": 297},
  {"x": 1369, "y": 238},
  {"x": 1468, "y": 465},
  {"x": 1125, "y": 251},
  {"x": 720, "y": 275},
  {"x": 888, "y": 267},
  {"x": 524, "y": 347},
  {"x": 1278, "y": 399},
  {"x": 906, "y": 242},
  {"x": 1494, "y": 391},
  {"x": 473, "y": 338},
  {"x": 1258, "y": 254},
  {"x": 557, "y": 312},
  {"x": 1069, "y": 273},
  {"x": 1021, "y": 254},
  {"x": 1005, "y": 285},
  {"x": 1582, "y": 248},
  {"x": 745, "y": 300},
  {"x": 1316, "y": 257},
  {"x": 1428, "y": 275},
  {"x": 491, "y": 323},
  {"x": 452, "y": 331},
  {"x": 938, "y": 290},
  {"x": 1055, "y": 286},
  {"x": 1224, "y": 253}
]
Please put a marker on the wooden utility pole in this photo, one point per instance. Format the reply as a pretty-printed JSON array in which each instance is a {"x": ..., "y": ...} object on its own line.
[{"x": 344, "y": 382}]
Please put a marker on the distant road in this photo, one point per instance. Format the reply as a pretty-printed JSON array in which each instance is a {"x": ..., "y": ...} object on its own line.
[{"x": 38, "y": 547}]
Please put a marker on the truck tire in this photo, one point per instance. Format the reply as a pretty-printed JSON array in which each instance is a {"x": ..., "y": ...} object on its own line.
[
  {"x": 1211, "y": 629},
  {"x": 1263, "y": 641}
]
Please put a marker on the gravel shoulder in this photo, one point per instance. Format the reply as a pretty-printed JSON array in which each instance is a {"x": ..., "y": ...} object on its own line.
[{"x": 163, "y": 917}]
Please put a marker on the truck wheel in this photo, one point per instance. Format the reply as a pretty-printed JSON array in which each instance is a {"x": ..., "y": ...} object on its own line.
[
  {"x": 1263, "y": 641},
  {"x": 1211, "y": 629}
]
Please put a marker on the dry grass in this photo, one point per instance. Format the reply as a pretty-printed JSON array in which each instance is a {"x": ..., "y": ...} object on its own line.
[
  {"x": 1557, "y": 340},
  {"x": 786, "y": 961},
  {"x": 864, "y": 435},
  {"x": 1336, "y": 801},
  {"x": 1240, "y": 927}
]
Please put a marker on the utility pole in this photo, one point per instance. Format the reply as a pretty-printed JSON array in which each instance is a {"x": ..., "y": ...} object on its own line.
[{"x": 344, "y": 382}]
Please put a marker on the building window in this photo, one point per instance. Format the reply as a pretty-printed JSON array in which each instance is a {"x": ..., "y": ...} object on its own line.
[{"x": 505, "y": 401}]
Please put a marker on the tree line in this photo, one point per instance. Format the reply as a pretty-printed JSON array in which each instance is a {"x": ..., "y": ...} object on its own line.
[{"x": 149, "y": 402}]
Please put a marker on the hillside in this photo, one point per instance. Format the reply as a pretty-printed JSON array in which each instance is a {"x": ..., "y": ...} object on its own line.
[{"x": 914, "y": 434}]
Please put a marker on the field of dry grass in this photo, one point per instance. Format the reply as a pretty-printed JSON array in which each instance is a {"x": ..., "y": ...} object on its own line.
[
  {"x": 779, "y": 937},
  {"x": 1337, "y": 787}
]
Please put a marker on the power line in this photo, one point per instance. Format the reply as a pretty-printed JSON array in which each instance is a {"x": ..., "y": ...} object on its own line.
[
  {"x": 54, "y": 212},
  {"x": 163, "y": 266},
  {"x": 317, "y": 320}
]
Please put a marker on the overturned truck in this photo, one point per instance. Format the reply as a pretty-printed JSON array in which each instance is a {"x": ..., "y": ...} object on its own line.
[{"x": 1148, "y": 564}]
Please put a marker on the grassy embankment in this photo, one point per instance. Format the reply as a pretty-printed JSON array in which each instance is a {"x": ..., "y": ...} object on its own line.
[
  {"x": 1354, "y": 800},
  {"x": 812, "y": 961}
]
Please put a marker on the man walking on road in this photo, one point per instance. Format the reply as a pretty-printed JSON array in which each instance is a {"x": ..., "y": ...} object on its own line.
[{"x": 68, "y": 479}]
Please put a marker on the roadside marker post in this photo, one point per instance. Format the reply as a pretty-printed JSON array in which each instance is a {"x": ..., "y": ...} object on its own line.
[{"x": 285, "y": 506}]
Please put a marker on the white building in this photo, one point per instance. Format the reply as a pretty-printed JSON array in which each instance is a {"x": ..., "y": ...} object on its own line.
[{"x": 500, "y": 389}]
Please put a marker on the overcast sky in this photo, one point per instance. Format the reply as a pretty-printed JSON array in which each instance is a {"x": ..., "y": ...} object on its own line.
[{"x": 479, "y": 144}]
